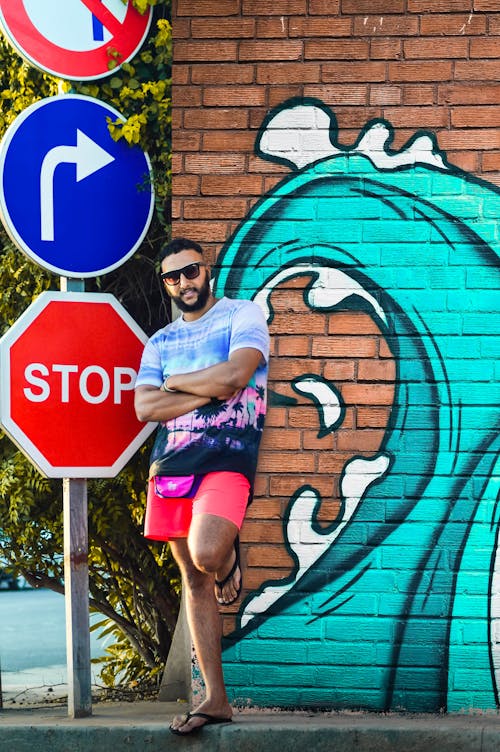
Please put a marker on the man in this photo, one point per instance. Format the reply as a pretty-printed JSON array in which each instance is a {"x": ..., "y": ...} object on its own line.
[{"x": 203, "y": 378}]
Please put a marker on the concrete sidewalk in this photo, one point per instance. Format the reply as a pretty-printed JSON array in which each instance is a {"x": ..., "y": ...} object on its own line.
[{"x": 143, "y": 727}]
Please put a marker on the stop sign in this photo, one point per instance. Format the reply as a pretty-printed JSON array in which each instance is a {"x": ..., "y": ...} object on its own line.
[{"x": 68, "y": 369}]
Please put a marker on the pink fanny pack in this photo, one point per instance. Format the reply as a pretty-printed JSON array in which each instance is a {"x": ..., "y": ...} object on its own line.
[{"x": 176, "y": 486}]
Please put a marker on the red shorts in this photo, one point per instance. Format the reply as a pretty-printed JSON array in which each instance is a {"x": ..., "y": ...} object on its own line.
[{"x": 224, "y": 494}]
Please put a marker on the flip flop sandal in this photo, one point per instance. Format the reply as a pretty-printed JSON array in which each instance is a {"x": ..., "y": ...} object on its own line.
[
  {"x": 220, "y": 583},
  {"x": 210, "y": 720}
]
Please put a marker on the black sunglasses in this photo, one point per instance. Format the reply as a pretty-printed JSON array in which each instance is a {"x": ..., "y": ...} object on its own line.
[{"x": 191, "y": 271}]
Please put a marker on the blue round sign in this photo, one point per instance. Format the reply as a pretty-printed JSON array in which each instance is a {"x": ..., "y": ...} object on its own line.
[{"x": 75, "y": 201}]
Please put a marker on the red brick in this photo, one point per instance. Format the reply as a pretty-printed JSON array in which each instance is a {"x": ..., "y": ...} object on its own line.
[
  {"x": 272, "y": 28},
  {"x": 336, "y": 49},
  {"x": 376, "y": 370},
  {"x": 452, "y": 24},
  {"x": 493, "y": 24},
  {"x": 185, "y": 185},
  {"x": 386, "y": 26},
  {"x": 373, "y": 394},
  {"x": 419, "y": 117},
  {"x": 372, "y": 417},
  {"x": 177, "y": 163},
  {"x": 428, "y": 49},
  {"x": 194, "y": 8},
  {"x": 181, "y": 29},
  {"x": 475, "y": 117},
  {"x": 386, "y": 49},
  {"x": 468, "y": 161},
  {"x": 214, "y": 208},
  {"x": 312, "y": 441},
  {"x": 222, "y": 74},
  {"x": 342, "y": 94},
  {"x": 307, "y": 27},
  {"x": 431, "y": 71},
  {"x": 258, "y": 532},
  {"x": 469, "y": 94},
  {"x": 486, "y": 5},
  {"x": 271, "y": 50},
  {"x": 186, "y": 96},
  {"x": 248, "y": 185},
  {"x": 234, "y": 96},
  {"x": 185, "y": 141},
  {"x": 215, "y": 117},
  {"x": 372, "y": 6},
  {"x": 486, "y": 70},
  {"x": 280, "y": 439},
  {"x": 339, "y": 370},
  {"x": 341, "y": 347},
  {"x": 419, "y": 94},
  {"x": 333, "y": 462},
  {"x": 286, "y": 485},
  {"x": 324, "y": 7},
  {"x": 288, "y": 73},
  {"x": 362, "y": 72},
  {"x": 308, "y": 323},
  {"x": 366, "y": 440},
  {"x": 180, "y": 74},
  {"x": 201, "y": 231},
  {"x": 347, "y": 323},
  {"x": 215, "y": 164},
  {"x": 222, "y": 28},
  {"x": 385, "y": 94},
  {"x": 283, "y": 462},
  {"x": 274, "y": 7},
  {"x": 485, "y": 47},
  {"x": 209, "y": 51},
  {"x": 491, "y": 162},
  {"x": 228, "y": 140},
  {"x": 294, "y": 345},
  {"x": 438, "y": 6},
  {"x": 279, "y": 94}
]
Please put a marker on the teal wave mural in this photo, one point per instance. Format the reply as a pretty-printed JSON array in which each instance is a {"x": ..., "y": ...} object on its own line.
[{"x": 397, "y": 603}]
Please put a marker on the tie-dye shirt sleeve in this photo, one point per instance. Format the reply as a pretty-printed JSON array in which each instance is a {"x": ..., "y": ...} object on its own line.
[{"x": 221, "y": 436}]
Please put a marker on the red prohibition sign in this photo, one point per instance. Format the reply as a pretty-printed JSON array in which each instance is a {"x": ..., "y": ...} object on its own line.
[{"x": 27, "y": 32}]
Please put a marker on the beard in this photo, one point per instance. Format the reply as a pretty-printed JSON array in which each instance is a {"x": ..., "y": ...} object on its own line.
[{"x": 199, "y": 303}]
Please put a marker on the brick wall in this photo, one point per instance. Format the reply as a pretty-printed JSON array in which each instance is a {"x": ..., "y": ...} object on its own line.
[{"x": 427, "y": 65}]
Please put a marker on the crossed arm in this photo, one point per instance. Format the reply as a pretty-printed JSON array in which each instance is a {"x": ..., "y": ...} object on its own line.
[{"x": 196, "y": 389}]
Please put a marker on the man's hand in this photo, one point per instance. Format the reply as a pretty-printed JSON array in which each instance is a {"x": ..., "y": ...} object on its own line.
[
  {"x": 153, "y": 404},
  {"x": 223, "y": 380}
]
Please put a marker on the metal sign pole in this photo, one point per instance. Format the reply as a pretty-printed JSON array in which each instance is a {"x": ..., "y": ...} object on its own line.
[{"x": 76, "y": 581}]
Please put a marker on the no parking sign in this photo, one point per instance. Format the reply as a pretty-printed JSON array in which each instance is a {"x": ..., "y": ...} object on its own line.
[{"x": 74, "y": 38}]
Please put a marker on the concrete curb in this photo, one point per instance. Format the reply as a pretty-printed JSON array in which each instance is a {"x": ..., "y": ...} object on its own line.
[{"x": 143, "y": 727}]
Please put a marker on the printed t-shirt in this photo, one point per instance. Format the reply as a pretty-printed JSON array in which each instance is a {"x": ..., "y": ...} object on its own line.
[{"x": 222, "y": 436}]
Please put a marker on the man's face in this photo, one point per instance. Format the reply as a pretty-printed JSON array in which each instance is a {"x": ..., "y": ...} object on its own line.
[{"x": 188, "y": 294}]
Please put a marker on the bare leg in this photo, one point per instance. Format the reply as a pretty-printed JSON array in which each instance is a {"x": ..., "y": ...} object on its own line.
[{"x": 207, "y": 551}]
